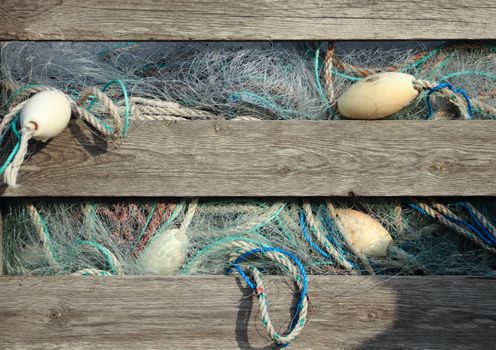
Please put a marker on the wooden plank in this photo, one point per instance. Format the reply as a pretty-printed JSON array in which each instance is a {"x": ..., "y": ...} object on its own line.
[
  {"x": 270, "y": 158},
  {"x": 219, "y": 313},
  {"x": 1, "y": 241},
  {"x": 246, "y": 20}
]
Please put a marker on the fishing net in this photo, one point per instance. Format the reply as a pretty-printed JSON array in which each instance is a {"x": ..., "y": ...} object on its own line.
[
  {"x": 111, "y": 237},
  {"x": 264, "y": 81},
  {"x": 148, "y": 81}
]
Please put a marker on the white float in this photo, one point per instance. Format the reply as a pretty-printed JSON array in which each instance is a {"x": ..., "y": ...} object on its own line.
[
  {"x": 47, "y": 113},
  {"x": 378, "y": 96}
]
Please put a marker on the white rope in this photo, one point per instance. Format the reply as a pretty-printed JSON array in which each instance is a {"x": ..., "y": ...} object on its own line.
[{"x": 10, "y": 175}]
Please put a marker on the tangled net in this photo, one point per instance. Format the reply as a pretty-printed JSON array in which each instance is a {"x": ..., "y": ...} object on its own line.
[
  {"x": 284, "y": 81},
  {"x": 112, "y": 238}
]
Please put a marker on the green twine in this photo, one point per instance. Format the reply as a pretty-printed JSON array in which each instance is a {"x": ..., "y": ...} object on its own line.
[
  {"x": 346, "y": 76},
  {"x": 186, "y": 269},
  {"x": 13, "y": 126},
  {"x": 284, "y": 228},
  {"x": 20, "y": 91},
  {"x": 444, "y": 62},
  {"x": 16, "y": 147},
  {"x": 260, "y": 101},
  {"x": 127, "y": 112},
  {"x": 253, "y": 229},
  {"x": 48, "y": 237},
  {"x": 145, "y": 227},
  {"x": 105, "y": 252},
  {"x": 422, "y": 60},
  {"x": 468, "y": 72},
  {"x": 316, "y": 71},
  {"x": 266, "y": 221}
]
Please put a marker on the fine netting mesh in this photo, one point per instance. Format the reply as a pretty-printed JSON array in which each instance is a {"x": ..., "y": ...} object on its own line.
[
  {"x": 268, "y": 83},
  {"x": 109, "y": 237},
  {"x": 153, "y": 80},
  {"x": 265, "y": 81}
]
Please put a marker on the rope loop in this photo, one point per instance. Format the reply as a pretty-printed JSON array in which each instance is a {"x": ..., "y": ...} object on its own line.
[
  {"x": 90, "y": 95},
  {"x": 253, "y": 279},
  {"x": 453, "y": 94}
]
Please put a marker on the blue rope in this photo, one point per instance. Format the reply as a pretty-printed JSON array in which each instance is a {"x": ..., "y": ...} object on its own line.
[
  {"x": 304, "y": 282},
  {"x": 489, "y": 240},
  {"x": 470, "y": 227},
  {"x": 456, "y": 91},
  {"x": 242, "y": 273},
  {"x": 417, "y": 208},
  {"x": 474, "y": 218}
]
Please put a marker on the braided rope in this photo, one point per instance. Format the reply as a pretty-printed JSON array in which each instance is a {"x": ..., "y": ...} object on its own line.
[
  {"x": 328, "y": 75},
  {"x": 9, "y": 117},
  {"x": 12, "y": 170},
  {"x": 141, "y": 108},
  {"x": 454, "y": 98},
  {"x": 193, "y": 205},
  {"x": 243, "y": 248},
  {"x": 482, "y": 219},
  {"x": 398, "y": 218},
  {"x": 484, "y": 107},
  {"x": 43, "y": 235},
  {"x": 287, "y": 260},
  {"x": 109, "y": 106},
  {"x": 150, "y": 109},
  {"x": 316, "y": 226},
  {"x": 446, "y": 217}
]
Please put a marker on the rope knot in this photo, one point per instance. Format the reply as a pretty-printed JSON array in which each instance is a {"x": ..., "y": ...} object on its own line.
[
  {"x": 453, "y": 94},
  {"x": 456, "y": 96}
]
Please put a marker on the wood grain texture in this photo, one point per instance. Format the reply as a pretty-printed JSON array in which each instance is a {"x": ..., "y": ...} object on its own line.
[
  {"x": 246, "y": 20},
  {"x": 1, "y": 241},
  {"x": 269, "y": 158},
  {"x": 219, "y": 313}
]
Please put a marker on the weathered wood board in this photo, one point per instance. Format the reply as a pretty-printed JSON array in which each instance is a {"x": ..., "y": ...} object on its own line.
[
  {"x": 270, "y": 158},
  {"x": 1, "y": 241},
  {"x": 219, "y": 313},
  {"x": 246, "y": 20}
]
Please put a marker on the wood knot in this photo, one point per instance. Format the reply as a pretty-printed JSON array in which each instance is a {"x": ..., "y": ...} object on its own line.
[
  {"x": 286, "y": 170},
  {"x": 371, "y": 315},
  {"x": 58, "y": 316},
  {"x": 438, "y": 166},
  {"x": 218, "y": 127},
  {"x": 351, "y": 194}
]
